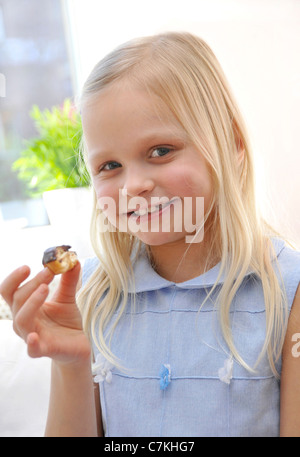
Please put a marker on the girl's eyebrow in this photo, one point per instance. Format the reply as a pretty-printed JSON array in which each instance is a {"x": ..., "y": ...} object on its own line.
[
  {"x": 153, "y": 138},
  {"x": 98, "y": 155},
  {"x": 170, "y": 131}
]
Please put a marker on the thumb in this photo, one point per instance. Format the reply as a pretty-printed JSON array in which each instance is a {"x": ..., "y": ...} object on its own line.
[{"x": 67, "y": 287}]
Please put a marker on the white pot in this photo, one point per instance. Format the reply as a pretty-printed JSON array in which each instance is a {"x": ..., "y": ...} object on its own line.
[{"x": 69, "y": 212}]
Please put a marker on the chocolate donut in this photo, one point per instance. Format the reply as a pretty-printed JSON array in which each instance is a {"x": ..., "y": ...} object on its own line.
[{"x": 59, "y": 259}]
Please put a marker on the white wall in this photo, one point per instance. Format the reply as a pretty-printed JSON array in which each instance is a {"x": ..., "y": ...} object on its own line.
[{"x": 258, "y": 44}]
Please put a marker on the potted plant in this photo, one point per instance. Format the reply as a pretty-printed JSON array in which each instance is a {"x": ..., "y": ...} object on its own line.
[
  {"x": 51, "y": 165},
  {"x": 53, "y": 159}
]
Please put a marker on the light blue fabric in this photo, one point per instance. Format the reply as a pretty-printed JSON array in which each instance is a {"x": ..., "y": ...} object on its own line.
[{"x": 180, "y": 378}]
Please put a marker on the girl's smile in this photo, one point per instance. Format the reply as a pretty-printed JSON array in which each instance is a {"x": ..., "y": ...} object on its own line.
[
  {"x": 156, "y": 217},
  {"x": 136, "y": 145},
  {"x": 152, "y": 211}
]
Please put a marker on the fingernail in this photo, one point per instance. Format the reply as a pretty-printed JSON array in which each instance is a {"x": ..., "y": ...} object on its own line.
[{"x": 23, "y": 269}]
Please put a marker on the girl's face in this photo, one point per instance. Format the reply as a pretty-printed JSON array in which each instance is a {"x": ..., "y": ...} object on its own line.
[{"x": 146, "y": 174}]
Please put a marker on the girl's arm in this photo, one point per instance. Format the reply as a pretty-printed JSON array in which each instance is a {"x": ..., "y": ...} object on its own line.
[
  {"x": 72, "y": 408},
  {"x": 54, "y": 329},
  {"x": 290, "y": 375},
  {"x": 63, "y": 400}
]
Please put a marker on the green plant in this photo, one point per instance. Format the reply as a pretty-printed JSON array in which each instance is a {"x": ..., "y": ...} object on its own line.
[{"x": 53, "y": 159}]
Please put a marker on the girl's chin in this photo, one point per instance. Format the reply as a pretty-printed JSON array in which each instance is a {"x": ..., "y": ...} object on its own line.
[{"x": 158, "y": 239}]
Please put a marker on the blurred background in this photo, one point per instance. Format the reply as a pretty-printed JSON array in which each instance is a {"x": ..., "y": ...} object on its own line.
[{"x": 47, "y": 49}]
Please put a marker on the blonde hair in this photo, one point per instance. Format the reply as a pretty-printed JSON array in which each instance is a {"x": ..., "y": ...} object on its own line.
[{"x": 183, "y": 72}]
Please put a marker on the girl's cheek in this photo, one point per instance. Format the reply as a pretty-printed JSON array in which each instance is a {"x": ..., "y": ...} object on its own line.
[
  {"x": 107, "y": 202},
  {"x": 104, "y": 190},
  {"x": 179, "y": 184}
]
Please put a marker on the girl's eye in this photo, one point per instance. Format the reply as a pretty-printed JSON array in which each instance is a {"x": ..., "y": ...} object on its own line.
[
  {"x": 160, "y": 152},
  {"x": 110, "y": 166}
]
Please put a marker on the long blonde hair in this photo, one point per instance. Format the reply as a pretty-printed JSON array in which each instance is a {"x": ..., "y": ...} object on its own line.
[{"x": 183, "y": 72}]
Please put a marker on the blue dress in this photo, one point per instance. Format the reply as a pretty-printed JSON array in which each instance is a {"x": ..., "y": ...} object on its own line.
[{"x": 180, "y": 378}]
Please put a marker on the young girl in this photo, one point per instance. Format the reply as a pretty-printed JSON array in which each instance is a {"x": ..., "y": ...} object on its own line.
[{"x": 193, "y": 326}]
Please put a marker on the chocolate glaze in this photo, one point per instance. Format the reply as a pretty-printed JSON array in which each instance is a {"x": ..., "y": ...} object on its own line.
[{"x": 50, "y": 255}]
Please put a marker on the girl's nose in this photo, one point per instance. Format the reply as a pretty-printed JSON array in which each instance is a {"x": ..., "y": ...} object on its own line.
[{"x": 137, "y": 184}]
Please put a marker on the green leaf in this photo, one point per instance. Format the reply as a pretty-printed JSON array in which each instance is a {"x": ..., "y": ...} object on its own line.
[{"x": 53, "y": 159}]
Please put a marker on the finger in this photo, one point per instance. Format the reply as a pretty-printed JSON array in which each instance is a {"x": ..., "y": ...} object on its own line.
[
  {"x": 24, "y": 321},
  {"x": 34, "y": 345},
  {"x": 67, "y": 287},
  {"x": 22, "y": 294},
  {"x": 10, "y": 284},
  {"x": 32, "y": 341}
]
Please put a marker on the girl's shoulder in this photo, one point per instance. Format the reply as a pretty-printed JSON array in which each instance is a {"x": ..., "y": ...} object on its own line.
[
  {"x": 289, "y": 261},
  {"x": 288, "y": 269},
  {"x": 88, "y": 268}
]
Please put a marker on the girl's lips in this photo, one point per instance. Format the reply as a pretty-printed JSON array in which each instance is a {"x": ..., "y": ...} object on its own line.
[
  {"x": 149, "y": 214},
  {"x": 156, "y": 205}
]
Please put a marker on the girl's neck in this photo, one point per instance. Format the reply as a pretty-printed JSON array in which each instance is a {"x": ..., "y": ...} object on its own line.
[{"x": 179, "y": 262}]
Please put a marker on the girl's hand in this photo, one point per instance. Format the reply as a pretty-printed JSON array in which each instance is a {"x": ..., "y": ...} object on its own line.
[{"x": 50, "y": 328}]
